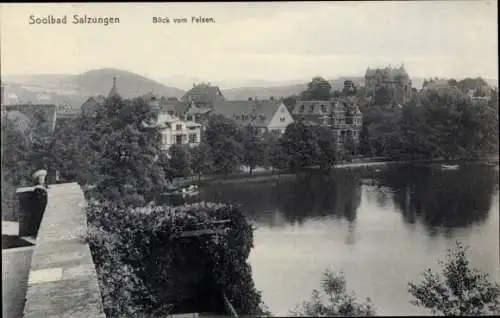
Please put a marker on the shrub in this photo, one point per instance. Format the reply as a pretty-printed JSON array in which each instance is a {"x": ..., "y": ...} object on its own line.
[
  {"x": 334, "y": 300},
  {"x": 459, "y": 290},
  {"x": 136, "y": 257}
]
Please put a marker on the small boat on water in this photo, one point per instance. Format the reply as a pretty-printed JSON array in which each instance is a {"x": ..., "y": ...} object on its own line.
[
  {"x": 182, "y": 191},
  {"x": 450, "y": 167}
]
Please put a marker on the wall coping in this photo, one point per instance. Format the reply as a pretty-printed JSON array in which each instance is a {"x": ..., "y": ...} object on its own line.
[{"x": 62, "y": 280}]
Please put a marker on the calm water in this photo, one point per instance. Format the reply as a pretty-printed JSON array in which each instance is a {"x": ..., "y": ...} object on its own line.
[{"x": 381, "y": 228}]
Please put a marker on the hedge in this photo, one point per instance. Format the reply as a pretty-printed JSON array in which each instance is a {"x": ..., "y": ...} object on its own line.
[{"x": 137, "y": 255}]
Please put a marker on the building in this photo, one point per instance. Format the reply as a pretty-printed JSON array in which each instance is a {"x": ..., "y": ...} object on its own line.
[
  {"x": 176, "y": 131},
  {"x": 89, "y": 108},
  {"x": 203, "y": 95},
  {"x": 341, "y": 115},
  {"x": 265, "y": 115},
  {"x": 395, "y": 80}
]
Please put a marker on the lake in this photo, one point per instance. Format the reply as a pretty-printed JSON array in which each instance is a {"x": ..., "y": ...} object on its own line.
[{"x": 382, "y": 227}]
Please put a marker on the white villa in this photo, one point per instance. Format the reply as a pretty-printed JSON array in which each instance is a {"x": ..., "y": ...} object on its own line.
[{"x": 176, "y": 131}]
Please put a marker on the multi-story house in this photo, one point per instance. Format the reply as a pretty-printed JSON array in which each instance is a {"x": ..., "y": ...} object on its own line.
[
  {"x": 265, "y": 115},
  {"x": 342, "y": 116},
  {"x": 175, "y": 131},
  {"x": 395, "y": 80},
  {"x": 203, "y": 95}
]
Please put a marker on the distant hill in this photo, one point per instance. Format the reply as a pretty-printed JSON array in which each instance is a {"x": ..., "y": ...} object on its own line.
[
  {"x": 73, "y": 90},
  {"x": 98, "y": 82}
]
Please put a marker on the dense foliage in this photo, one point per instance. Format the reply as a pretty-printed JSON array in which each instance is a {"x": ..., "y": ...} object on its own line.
[
  {"x": 138, "y": 260},
  {"x": 334, "y": 300},
  {"x": 459, "y": 291}
]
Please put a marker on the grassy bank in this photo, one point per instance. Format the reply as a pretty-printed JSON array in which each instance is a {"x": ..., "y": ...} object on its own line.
[{"x": 266, "y": 175}]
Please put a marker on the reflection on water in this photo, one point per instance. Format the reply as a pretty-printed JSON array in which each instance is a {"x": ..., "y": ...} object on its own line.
[{"x": 381, "y": 228}]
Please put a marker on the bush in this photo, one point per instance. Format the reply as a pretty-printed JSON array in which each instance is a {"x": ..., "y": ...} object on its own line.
[
  {"x": 334, "y": 300},
  {"x": 459, "y": 291},
  {"x": 137, "y": 260}
]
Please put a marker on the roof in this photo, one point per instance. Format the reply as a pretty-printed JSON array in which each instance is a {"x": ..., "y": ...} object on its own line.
[
  {"x": 178, "y": 107},
  {"x": 164, "y": 120},
  {"x": 203, "y": 93},
  {"x": 255, "y": 113}
]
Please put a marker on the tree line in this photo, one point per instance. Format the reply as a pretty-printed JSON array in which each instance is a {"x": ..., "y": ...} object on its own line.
[{"x": 116, "y": 150}]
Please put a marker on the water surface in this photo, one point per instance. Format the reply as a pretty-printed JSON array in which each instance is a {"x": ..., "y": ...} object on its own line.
[{"x": 381, "y": 228}]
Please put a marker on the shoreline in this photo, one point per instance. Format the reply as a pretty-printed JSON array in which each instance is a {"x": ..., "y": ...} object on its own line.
[{"x": 265, "y": 175}]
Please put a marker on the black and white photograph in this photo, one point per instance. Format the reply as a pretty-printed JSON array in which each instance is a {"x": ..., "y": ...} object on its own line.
[{"x": 250, "y": 159}]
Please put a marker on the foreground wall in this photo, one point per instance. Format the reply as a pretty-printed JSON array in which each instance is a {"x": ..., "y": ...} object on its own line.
[{"x": 62, "y": 279}]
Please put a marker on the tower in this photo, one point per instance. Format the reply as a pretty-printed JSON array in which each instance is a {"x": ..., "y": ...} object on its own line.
[{"x": 113, "y": 91}]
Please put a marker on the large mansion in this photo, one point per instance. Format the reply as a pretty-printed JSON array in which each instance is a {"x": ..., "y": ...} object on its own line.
[
  {"x": 341, "y": 115},
  {"x": 395, "y": 80}
]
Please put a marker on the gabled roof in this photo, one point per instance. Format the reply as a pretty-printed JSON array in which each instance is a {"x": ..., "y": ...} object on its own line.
[
  {"x": 203, "y": 93},
  {"x": 178, "y": 107},
  {"x": 255, "y": 113}
]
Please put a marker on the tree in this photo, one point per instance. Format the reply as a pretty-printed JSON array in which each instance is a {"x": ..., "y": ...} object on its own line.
[
  {"x": 16, "y": 167},
  {"x": 299, "y": 143},
  {"x": 290, "y": 102},
  {"x": 459, "y": 290},
  {"x": 327, "y": 144},
  {"x": 381, "y": 135},
  {"x": 275, "y": 153},
  {"x": 317, "y": 89},
  {"x": 180, "y": 160},
  {"x": 224, "y": 139},
  {"x": 254, "y": 151},
  {"x": 383, "y": 97},
  {"x": 128, "y": 168},
  {"x": 334, "y": 300},
  {"x": 450, "y": 124},
  {"x": 201, "y": 161},
  {"x": 350, "y": 146}
]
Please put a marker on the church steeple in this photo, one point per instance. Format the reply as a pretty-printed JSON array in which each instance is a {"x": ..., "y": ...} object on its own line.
[{"x": 113, "y": 91}]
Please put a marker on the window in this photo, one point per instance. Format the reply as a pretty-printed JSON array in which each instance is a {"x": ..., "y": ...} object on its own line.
[
  {"x": 323, "y": 108},
  {"x": 170, "y": 112},
  {"x": 189, "y": 117},
  {"x": 178, "y": 139},
  {"x": 276, "y": 132},
  {"x": 301, "y": 108},
  {"x": 282, "y": 119},
  {"x": 282, "y": 110},
  {"x": 178, "y": 127},
  {"x": 193, "y": 138},
  {"x": 311, "y": 108}
]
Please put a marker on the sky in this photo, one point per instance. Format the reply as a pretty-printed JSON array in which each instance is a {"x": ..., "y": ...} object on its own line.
[{"x": 270, "y": 41}]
